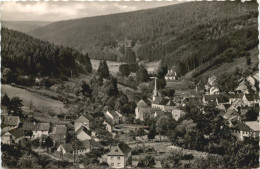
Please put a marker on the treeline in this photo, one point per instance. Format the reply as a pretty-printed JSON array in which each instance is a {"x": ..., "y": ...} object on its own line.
[{"x": 24, "y": 55}]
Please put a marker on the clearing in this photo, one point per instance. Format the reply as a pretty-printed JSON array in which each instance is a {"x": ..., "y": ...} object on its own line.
[{"x": 38, "y": 101}]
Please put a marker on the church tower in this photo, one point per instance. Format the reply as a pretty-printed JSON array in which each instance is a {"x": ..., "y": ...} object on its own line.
[{"x": 156, "y": 94}]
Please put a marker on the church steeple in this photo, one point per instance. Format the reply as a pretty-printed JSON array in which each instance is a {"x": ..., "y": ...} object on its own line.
[{"x": 156, "y": 93}]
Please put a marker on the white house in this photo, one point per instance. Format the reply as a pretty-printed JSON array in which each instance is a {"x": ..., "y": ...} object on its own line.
[
  {"x": 177, "y": 113},
  {"x": 41, "y": 130},
  {"x": 247, "y": 129},
  {"x": 13, "y": 136},
  {"x": 113, "y": 115},
  {"x": 171, "y": 75},
  {"x": 119, "y": 156}
]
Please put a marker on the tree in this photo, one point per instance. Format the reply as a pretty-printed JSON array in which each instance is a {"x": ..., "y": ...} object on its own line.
[
  {"x": 147, "y": 161},
  {"x": 124, "y": 70},
  {"x": 130, "y": 56},
  {"x": 48, "y": 143},
  {"x": 5, "y": 100},
  {"x": 142, "y": 74},
  {"x": 103, "y": 70},
  {"x": 85, "y": 89},
  {"x": 7, "y": 75},
  {"x": 152, "y": 132},
  {"x": 248, "y": 60},
  {"x": 16, "y": 106}
]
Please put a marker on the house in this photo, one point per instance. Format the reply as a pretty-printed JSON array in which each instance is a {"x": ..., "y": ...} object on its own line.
[
  {"x": 242, "y": 88},
  {"x": 251, "y": 99},
  {"x": 171, "y": 75},
  {"x": 210, "y": 98},
  {"x": 114, "y": 116},
  {"x": 119, "y": 156},
  {"x": 142, "y": 113},
  {"x": 11, "y": 121},
  {"x": 247, "y": 129},
  {"x": 109, "y": 125},
  {"x": 83, "y": 134},
  {"x": 214, "y": 90},
  {"x": 59, "y": 133},
  {"x": 65, "y": 149},
  {"x": 83, "y": 120},
  {"x": 40, "y": 130},
  {"x": 28, "y": 128},
  {"x": 233, "y": 97},
  {"x": 177, "y": 113},
  {"x": 251, "y": 80},
  {"x": 83, "y": 147},
  {"x": 13, "y": 136},
  {"x": 212, "y": 80}
]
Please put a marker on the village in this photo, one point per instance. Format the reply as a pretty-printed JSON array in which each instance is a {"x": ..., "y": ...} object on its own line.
[{"x": 120, "y": 143}]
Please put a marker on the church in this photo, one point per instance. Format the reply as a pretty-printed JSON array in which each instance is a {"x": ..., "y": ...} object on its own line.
[{"x": 148, "y": 108}]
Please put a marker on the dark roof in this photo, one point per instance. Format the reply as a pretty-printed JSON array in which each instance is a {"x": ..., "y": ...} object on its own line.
[
  {"x": 17, "y": 132},
  {"x": 222, "y": 99},
  {"x": 113, "y": 113},
  {"x": 211, "y": 97},
  {"x": 240, "y": 95},
  {"x": 28, "y": 126},
  {"x": 242, "y": 127},
  {"x": 84, "y": 119},
  {"x": 166, "y": 102},
  {"x": 120, "y": 150},
  {"x": 11, "y": 120},
  {"x": 67, "y": 147},
  {"x": 252, "y": 97},
  {"x": 42, "y": 127},
  {"x": 59, "y": 129}
]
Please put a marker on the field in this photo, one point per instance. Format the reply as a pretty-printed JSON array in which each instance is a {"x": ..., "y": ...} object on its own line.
[
  {"x": 113, "y": 66},
  {"x": 39, "y": 101}
]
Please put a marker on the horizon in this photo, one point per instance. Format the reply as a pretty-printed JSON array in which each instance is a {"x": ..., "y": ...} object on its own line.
[{"x": 59, "y": 11}]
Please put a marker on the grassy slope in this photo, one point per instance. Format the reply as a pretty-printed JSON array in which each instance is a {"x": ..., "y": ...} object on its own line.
[
  {"x": 39, "y": 101},
  {"x": 24, "y": 26},
  {"x": 229, "y": 67}
]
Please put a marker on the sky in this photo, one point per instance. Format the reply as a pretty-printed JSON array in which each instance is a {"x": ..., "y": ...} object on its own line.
[{"x": 56, "y": 11}]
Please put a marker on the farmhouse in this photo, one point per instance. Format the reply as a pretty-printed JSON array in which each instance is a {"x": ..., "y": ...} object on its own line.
[
  {"x": 247, "y": 129},
  {"x": 83, "y": 134},
  {"x": 11, "y": 121},
  {"x": 65, "y": 149},
  {"x": 109, "y": 125},
  {"x": 114, "y": 116},
  {"x": 119, "y": 156},
  {"x": 13, "y": 136},
  {"x": 59, "y": 133},
  {"x": 40, "y": 130},
  {"x": 83, "y": 120},
  {"x": 171, "y": 75}
]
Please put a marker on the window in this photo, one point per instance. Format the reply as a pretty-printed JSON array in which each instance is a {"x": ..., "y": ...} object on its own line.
[
  {"x": 116, "y": 150},
  {"x": 118, "y": 164},
  {"x": 112, "y": 164},
  {"x": 118, "y": 158}
]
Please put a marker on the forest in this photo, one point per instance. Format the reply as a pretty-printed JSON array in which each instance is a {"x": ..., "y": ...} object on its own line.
[
  {"x": 186, "y": 35},
  {"x": 23, "y": 55}
]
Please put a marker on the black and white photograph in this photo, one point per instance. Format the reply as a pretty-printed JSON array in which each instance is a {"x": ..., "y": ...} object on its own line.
[{"x": 130, "y": 84}]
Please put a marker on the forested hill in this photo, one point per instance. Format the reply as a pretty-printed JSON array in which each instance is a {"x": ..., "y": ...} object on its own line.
[
  {"x": 25, "y": 55},
  {"x": 186, "y": 35},
  {"x": 24, "y": 26}
]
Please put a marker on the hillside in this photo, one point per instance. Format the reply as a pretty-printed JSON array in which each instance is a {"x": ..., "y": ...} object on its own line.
[
  {"x": 186, "y": 35},
  {"x": 24, "y": 55},
  {"x": 24, "y": 26}
]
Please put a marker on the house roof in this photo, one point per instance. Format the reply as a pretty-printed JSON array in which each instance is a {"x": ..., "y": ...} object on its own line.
[
  {"x": 120, "y": 150},
  {"x": 109, "y": 122},
  {"x": 235, "y": 96},
  {"x": 241, "y": 127},
  {"x": 11, "y": 120},
  {"x": 144, "y": 110},
  {"x": 17, "y": 132},
  {"x": 143, "y": 103},
  {"x": 42, "y": 127},
  {"x": 209, "y": 98},
  {"x": 28, "y": 126},
  {"x": 83, "y": 119},
  {"x": 83, "y": 129},
  {"x": 113, "y": 113},
  {"x": 252, "y": 97},
  {"x": 254, "y": 125},
  {"x": 67, "y": 147},
  {"x": 59, "y": 129},
  {"x": 166, "y": 102}
]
